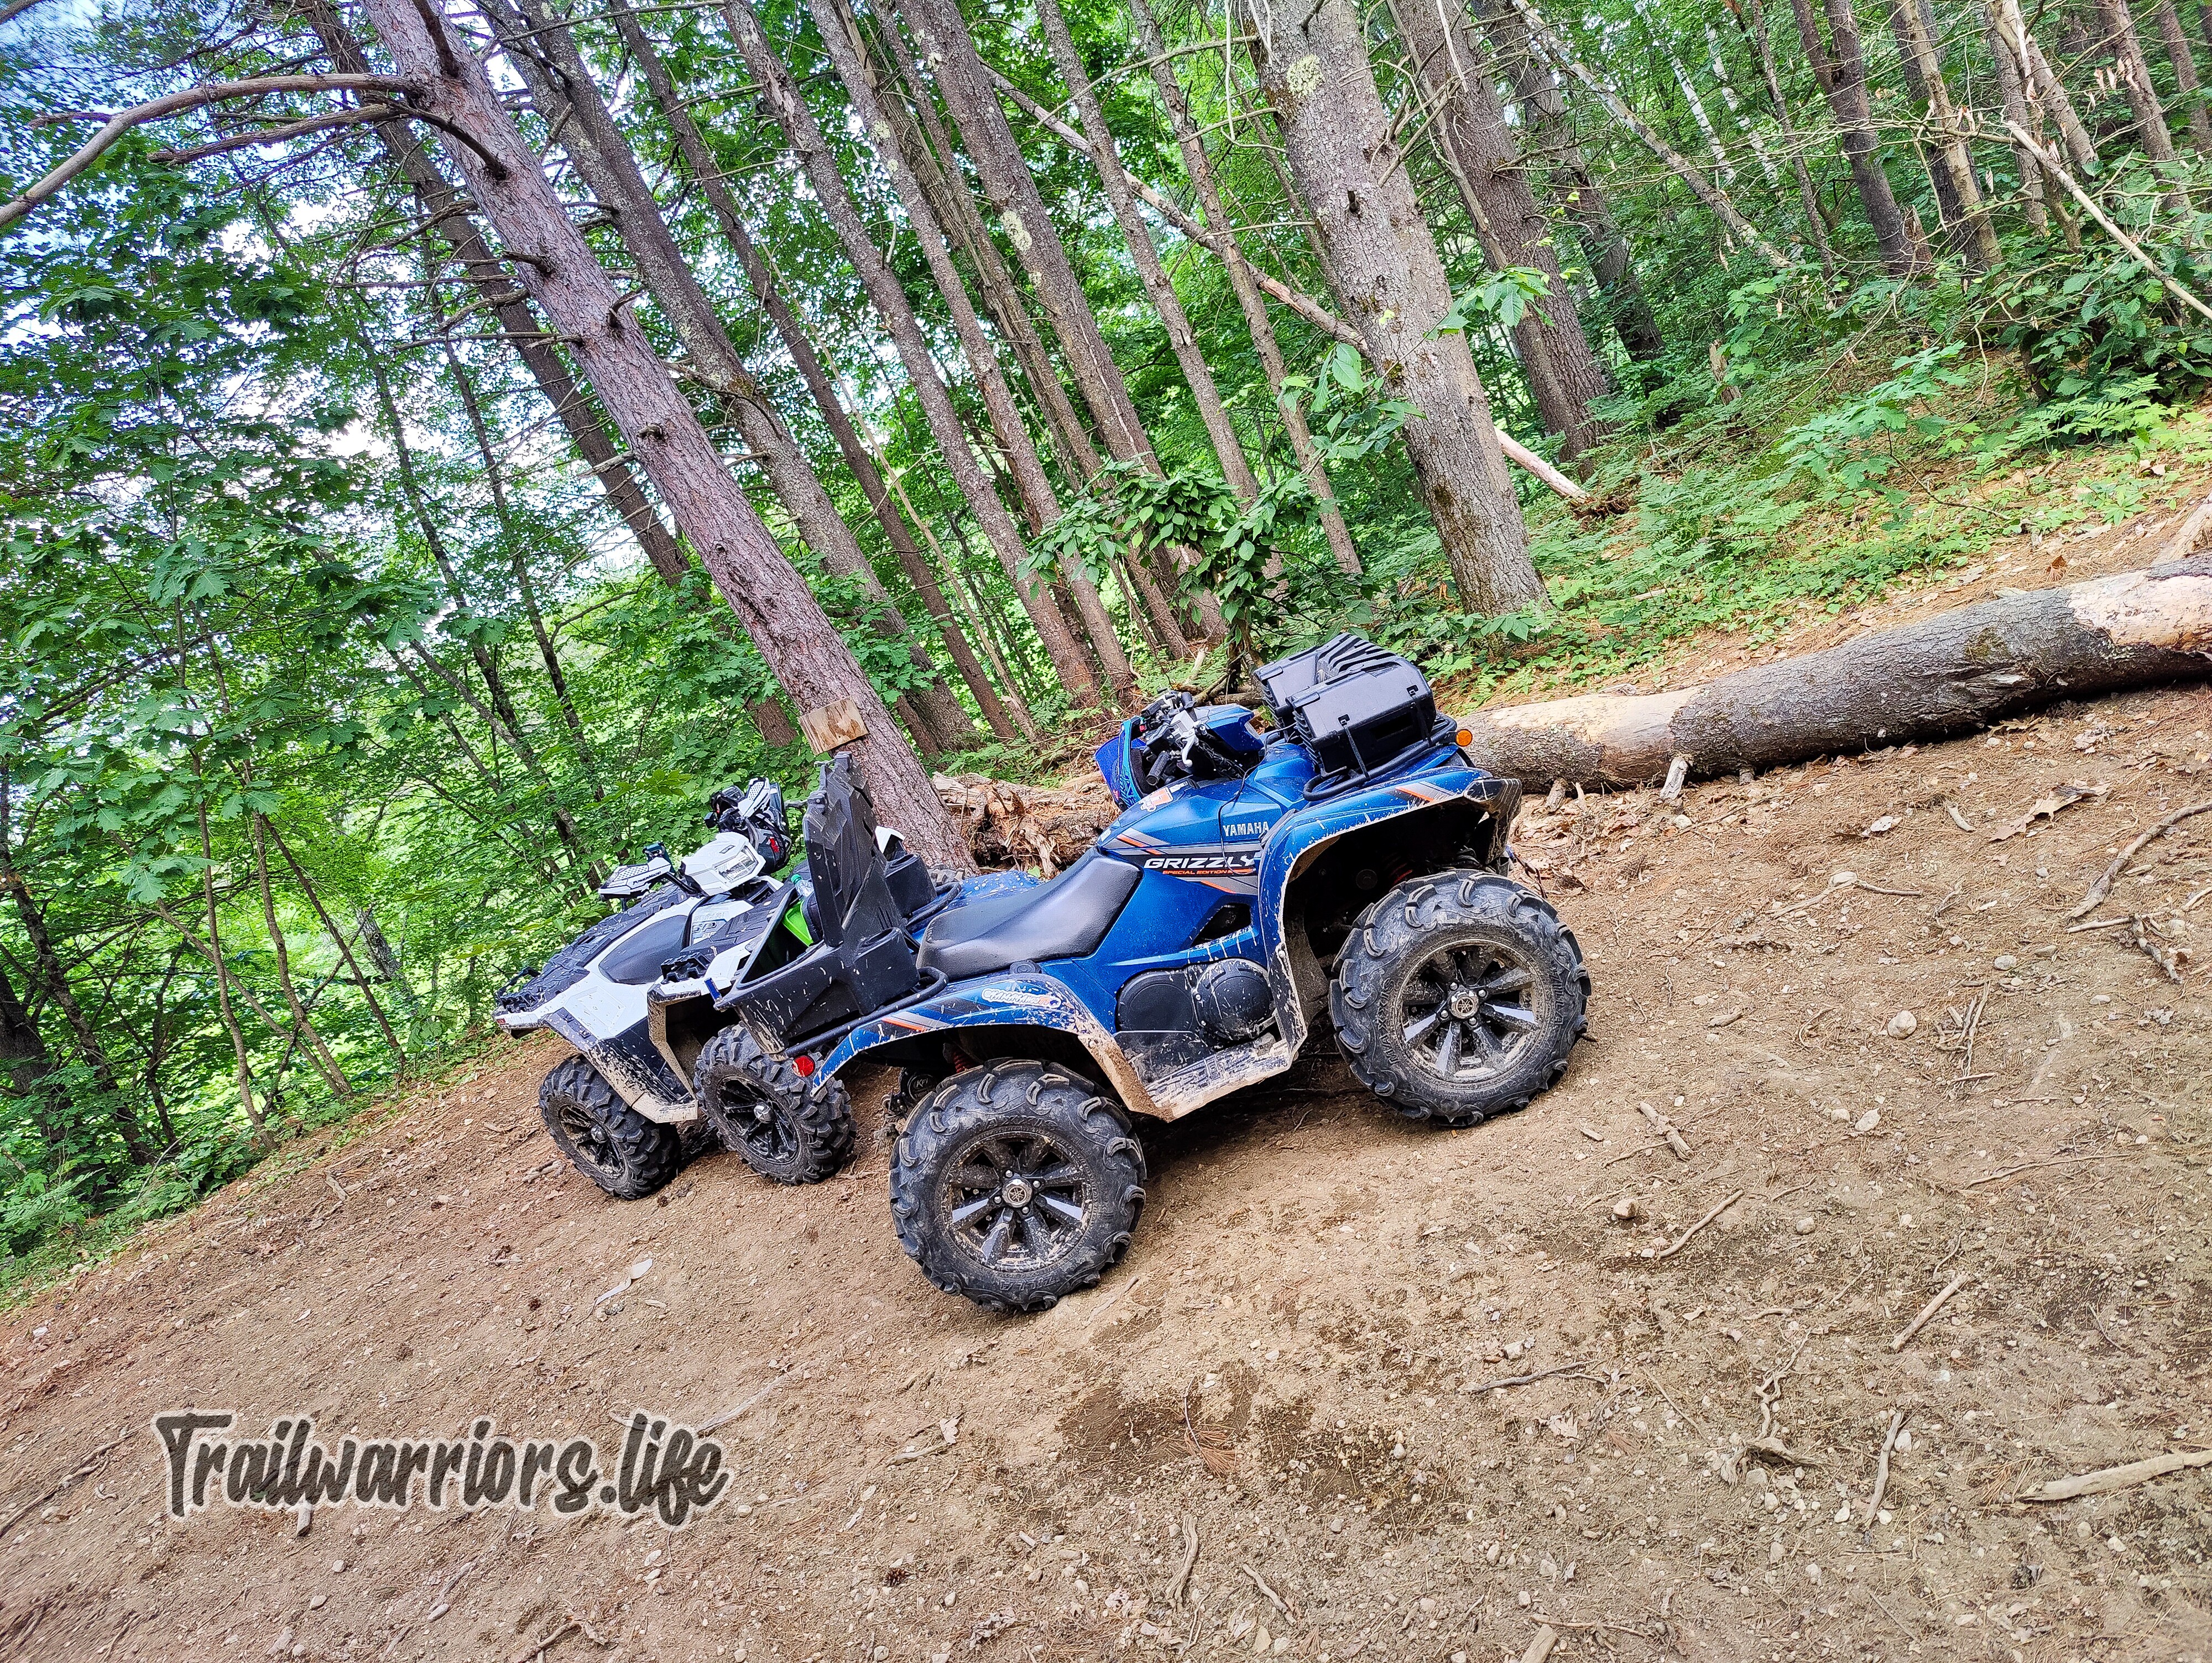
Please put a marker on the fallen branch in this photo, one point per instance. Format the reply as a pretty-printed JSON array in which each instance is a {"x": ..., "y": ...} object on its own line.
[
  {"x": 1179, "y": 1588},
  {"x": 539, "y": 1647},
  {"x": 1665, "y": 1128},
  {"x": 1927, "y": 1311},
  {"x": 1476, "y": 1390},
  {"x": 1881, "y": 1469},
  {"x": 1948, "y": 674},
  {"x": 2051, "y": 164},
  {"x": 2031, "y": 1166},
  {"x": 1683, "y": 1240},
  {"x": 2105, "y": 1480},
  {"x": 1274, "y": 1598},
  {"x": 2103, "y": 886},
  {"x": 61, "y": 1483}
]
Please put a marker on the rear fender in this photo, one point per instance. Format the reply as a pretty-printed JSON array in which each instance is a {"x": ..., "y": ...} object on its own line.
[
  {"x": 1024, "y": 999},
  {"x": 1459, "y": 798}
]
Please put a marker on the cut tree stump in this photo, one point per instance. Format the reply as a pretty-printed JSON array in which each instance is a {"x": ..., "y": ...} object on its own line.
[{"x": 1950, "y": 674}]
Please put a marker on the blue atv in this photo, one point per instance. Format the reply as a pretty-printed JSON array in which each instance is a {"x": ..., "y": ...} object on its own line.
[{"x": 1346, "y": 866}]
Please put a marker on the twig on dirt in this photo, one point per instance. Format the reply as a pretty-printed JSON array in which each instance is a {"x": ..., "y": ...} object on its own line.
[
  {"x": 1683, "y": 1240},
  {"x": 61, "y": 1483},
  {"x": 2103, "y": 886},
  {"x": 1842, "y": 881},
  {"x": 1674, "y": 1405},
  {"x": 2097, "y": 923},
  {"x": 1966, "y": 1040},
  {"x": 2055, "y": 1161},
  {"x": 539, "y": 1647},
  {"x": 2165, "y": 958},
  {"x": 1274, "y": 1598},
  {"x": 1179, "y": 1588},
  {"x": 1876, "y": 889},
  {"x": 2098, "y": 1323},
  {"x": 1888, "y": 1612},
  {"x": 1957, "y": 818},
  {"x": 1665, "y": 1128},
  {"x": 1881, "y": 1471},
  {"x": 1523, "y": 1379},
  {"x": 1929, "y": 1310},
  {"x": 2103, "y": 1481},
  {"x": 337, "y": 1189},
  {"x": 1804, "y": 1033},
  {"x": 2194, "y": 898},
  {"x": 1944, "y": 904},
  {"x": 1109, "y": 1303},
  {"x": 724, "y": 1419}
]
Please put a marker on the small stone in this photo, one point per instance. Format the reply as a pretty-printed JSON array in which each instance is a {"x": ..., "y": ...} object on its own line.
[
  {"x": 2004, "y": 962},
  {"x": 1868, "y": 1121},
  {"x": 1774, "y": 1551},
  {"x": 1262, "y": 1641},
  {"x": 1902, "y": 1025},
  {"x": 1813, "y": 1572},
  {"x": 1805, "y": 1225},
  {"x": 1904, "y": 1445},
  {"x": 318, "y": 1602},
  {"x": 1627, "y": 1210},
  {"x": 338, "y": 1566}
]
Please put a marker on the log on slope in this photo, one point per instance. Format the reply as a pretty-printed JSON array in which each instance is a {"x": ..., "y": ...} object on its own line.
[{"x": 1949, "y": 674}]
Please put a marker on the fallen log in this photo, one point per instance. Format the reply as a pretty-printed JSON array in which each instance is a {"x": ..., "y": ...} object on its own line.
[{"x": 1949, "y": 674}]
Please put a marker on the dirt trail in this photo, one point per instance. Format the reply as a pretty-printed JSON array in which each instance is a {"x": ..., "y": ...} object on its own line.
[{"x": 1299, "y": 1359}]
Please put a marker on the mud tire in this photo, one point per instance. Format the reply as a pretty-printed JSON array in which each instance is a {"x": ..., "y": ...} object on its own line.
[
  {"x": 604, "y": 1139},
  {"x": 803, "y": 1137},
  {"x": 1026, "y": 1121},
  {"x": 1462, "y": 921}
]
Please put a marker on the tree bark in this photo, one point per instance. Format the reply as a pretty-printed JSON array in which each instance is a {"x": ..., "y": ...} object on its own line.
[
  {"x": 1551, "y": 127},
  {"x": 943, "y": 712},
  {"x": 788, "y": 107},
  {"x": 1381, "y": 259},
  {"x": 22, "y": 1048},
  {"x": 2118, "y": 27},
  {"x": 1753, "y": 24},
  {"x": 1681, "y": 167},
  {"x": 1945, "y": 675},
  {"x": 2012, "y": 94},
  {"x": 1906, "y": 22},
  {"x": 2043, "y": 88},
  {"x": 792, "y": 634},
  {"x": 966, "y": 87},
  {"x": 441, "y": 205},
  {"x": 2185, "y": 79},
  {"x": 1841, "y": 79},
  {"x": 1471, "y": 134},
  {"x": 1924, "y": 76},
  {"x": 1200, "y": 168},
  {"x": 1182, "y": 340},
  {"x": 546, "y": 57}
]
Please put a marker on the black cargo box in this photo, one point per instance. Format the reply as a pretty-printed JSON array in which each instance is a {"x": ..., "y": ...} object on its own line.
[{"x": 1353, "y": 706}]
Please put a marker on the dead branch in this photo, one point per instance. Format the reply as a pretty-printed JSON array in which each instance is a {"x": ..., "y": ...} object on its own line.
[
  {"x": 2103, "y": 886},
  {"x": 191, "y": 98},
  {"x": 290, "y": 129},
  {"x": 1683, "y": 1240},
  {"x": 1928, "y": 1311},
  {"x": 1881, "y": 1468},
  {"x": 2105, "y": 1480},
  {"x": 61, "y": 1483}
]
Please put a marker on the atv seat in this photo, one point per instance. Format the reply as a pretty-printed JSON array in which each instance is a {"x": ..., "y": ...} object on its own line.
[{"x": 1064, "y": 918}]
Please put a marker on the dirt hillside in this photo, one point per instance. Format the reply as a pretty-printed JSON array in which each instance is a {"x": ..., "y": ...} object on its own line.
[{"x": 1408, "y": 1395}]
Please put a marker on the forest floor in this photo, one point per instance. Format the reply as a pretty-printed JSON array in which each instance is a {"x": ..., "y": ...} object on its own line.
[{"x": 1297, "y": 1370}]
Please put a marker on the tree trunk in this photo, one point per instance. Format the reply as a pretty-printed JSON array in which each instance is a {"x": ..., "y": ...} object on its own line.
[
  {"x": 1663, "y": 41},
  {"x": 1950, "y": 212},
  {"x": 941, "y": 710},
  {"x": 2043, "y": 88},
  {"x": 794, "y": 636},
  {"x": 1842, "y": 78},
  {"x": 338, "y": 940},
  {"x": 2118, "y": 27},
  {"x": 1923, "y": 73},
  {"x": 325, "y": 1064},
  {"x": 1703, "y": 189},
  {"x": 1945, "y": 675},
  {"x": 788, "y": 107},
  {"x": 1547, "y": 118},
  {"x": 1381, "y": 259},
  {"x": 1182, "y": 340},
  {"x": 2185, "y": 76},
  {"x": 547, "y": 59},
  {"x": 927, "y": 149},
  {"x": 1471, "y": 134},
  {"x": 442, "y": 208},
  {"x": 1012, "y": 187},
  {"x": 1753, "y": 24},
  {"x": 1261, "y": 327},
  {"x": 213, "y": 948},
  {"x": 2012, "y": 94},
  {"x": 22, "y": 1048}
]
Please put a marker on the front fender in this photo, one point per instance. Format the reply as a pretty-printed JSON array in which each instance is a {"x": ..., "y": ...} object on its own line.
[
  {"x": 1299, "y": 839},
  {"x": 1012, "y": 999}
]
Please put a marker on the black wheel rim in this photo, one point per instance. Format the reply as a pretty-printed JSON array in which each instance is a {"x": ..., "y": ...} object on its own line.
[
  {"x": 1463, "y": 1013},
  {"x": 1014, "y": 1201},
  {"x": 595, "y": 1143},
  {"x": 767, "y": 1137}
]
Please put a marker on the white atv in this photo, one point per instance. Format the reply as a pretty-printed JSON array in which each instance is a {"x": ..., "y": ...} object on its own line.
[
  {"x": 659, "y": 1073},
  {"x": 623, "y": 1108}
]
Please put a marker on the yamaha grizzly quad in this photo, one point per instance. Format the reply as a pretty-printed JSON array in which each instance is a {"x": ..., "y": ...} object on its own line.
[
  {"x": 1346, "y": 867},
  {"x": 626, "y": 995}
]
